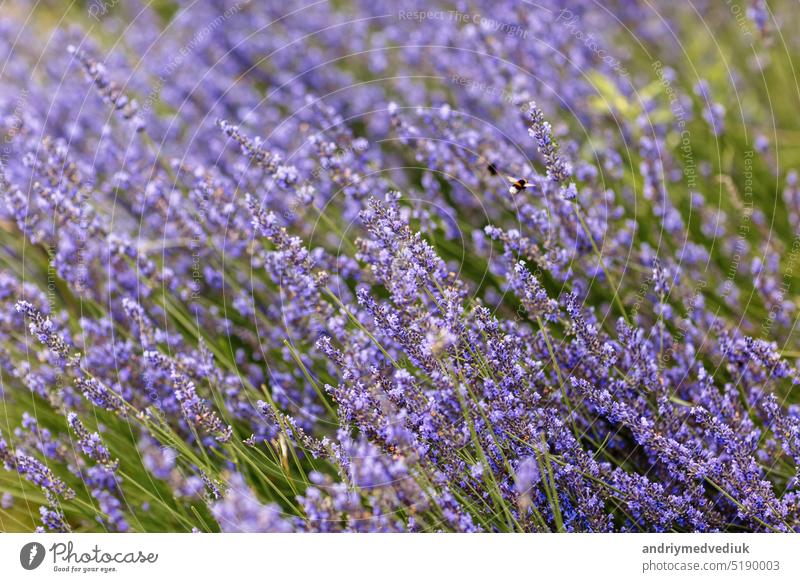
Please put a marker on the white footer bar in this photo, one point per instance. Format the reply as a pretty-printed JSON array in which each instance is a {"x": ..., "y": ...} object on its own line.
[{"x": 406, "y": 557}]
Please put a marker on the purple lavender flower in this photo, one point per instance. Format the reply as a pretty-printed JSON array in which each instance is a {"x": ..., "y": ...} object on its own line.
[
  {"x": 34, "y": 471},
  {"x": 44, "y": 330},
  {"x": 528, "y": 475},
  {"x": 240, "y": 511},
  {"x": 53, "y": 520},
  {"x": 542, "y": 132},
  {"x": 531, "y": 293},
  {"x": 109, "y": 90},
  {"x": 100, "y": 395},
  {"x": 6, "y": 500},
  {"x": 194, "y": 408},
  {"x": 91, "y": 444},
  {"x": 354, "y": 359}
]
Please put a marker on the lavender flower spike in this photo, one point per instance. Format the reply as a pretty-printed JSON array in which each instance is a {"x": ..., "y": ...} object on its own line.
[
  {"x": 44, "y": 330},
  {"x": 542, "y": 132}
]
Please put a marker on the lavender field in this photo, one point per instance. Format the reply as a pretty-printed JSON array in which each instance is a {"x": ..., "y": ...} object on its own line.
[{"x": 399, "y": 266}]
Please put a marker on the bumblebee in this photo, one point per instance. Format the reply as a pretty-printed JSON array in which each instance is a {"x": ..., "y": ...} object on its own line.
[{"x": 518, "y": 184}]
